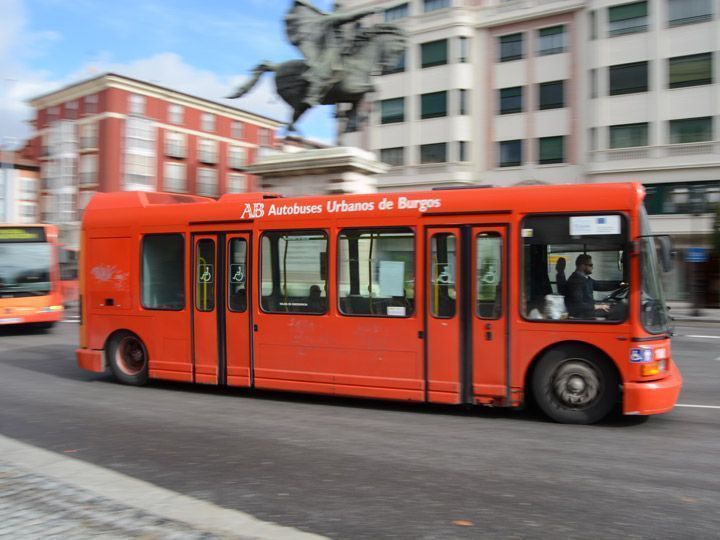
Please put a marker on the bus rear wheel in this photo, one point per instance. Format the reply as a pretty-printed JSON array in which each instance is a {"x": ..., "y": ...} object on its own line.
[
  {"x": 128, "y": 359},
  {"x": 575, "y": 386}
]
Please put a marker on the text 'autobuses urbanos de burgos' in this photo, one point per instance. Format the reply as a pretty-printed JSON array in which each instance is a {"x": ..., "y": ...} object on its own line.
[{"x": 476, "y": 296}]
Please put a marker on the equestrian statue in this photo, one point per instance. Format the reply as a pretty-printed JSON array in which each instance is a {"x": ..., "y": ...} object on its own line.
[{"x": 340, "y": 58}]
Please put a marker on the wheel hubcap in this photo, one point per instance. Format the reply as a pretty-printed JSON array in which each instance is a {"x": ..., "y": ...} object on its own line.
[
  {"x": 576, "y": 384},
  {"x": 130, "y": 356}
]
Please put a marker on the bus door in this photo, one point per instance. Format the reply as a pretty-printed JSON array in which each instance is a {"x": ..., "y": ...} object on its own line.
[
  {"x": 489, "y": 315},
  {"x": 444, "y": 348},
  {"x": 466, "y": 319},
  {"x": 206, "y": 348},
  {"x": 238, "y": 370}
]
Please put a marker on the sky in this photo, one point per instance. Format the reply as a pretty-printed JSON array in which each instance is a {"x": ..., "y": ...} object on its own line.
[{"x": 206, "y": 48}]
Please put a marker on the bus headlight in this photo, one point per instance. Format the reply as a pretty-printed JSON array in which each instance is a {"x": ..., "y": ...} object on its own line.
[{"x": 51, "y": 309}]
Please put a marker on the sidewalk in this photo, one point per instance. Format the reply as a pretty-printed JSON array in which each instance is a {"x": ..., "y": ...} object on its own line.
[
  {"x": 48, "y": 495},
  {"x": 684, "y": 312}
]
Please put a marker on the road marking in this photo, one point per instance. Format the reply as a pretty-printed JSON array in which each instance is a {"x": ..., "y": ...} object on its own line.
[
  {"x": 702, "y": 337},
  {"x": 152, "y": 499},
  {"x": 698, "y": 406}
]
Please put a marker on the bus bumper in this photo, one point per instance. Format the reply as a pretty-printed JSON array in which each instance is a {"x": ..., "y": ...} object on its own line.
[
  {"x": 90, "y": 360},
  {"x": 653, "y": 397}
]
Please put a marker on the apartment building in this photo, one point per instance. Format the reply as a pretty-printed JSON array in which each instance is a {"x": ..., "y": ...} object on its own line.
[
  {"x": 510, "y": 92},
  {"x": 113, "y": 133},
  {"x": 19, "y": 187}
]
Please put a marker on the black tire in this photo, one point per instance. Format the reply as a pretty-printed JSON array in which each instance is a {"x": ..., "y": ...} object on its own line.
[
  {"x": 574, "y": 385},
  {"x": 128, "y": 358}
]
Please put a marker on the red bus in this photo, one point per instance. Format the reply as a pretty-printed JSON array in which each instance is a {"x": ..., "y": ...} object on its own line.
[
  {"x": 30, "y": 291},
  {"x": 468, "y": 296}
]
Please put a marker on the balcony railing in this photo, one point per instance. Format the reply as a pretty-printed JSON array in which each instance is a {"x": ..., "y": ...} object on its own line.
[{"x": 708, "y": 148}]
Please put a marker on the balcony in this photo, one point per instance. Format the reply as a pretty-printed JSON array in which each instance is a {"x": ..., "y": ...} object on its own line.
[
  {"x": 506, "y": 11},
  {"x": 175, "y": 150},
  {"x": 655, "y": 157}
]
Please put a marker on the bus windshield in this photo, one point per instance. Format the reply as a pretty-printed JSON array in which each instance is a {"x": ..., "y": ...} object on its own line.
[
  {"x": 24, "y": 269},
  {"x": 653, "y": 312}
]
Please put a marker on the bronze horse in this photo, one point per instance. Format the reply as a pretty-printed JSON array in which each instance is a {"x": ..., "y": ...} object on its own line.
[{"x": 373, "y": 49}]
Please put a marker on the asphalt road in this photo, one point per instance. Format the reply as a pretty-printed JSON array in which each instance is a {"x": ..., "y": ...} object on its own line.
[{"x": 362, "y": 469}]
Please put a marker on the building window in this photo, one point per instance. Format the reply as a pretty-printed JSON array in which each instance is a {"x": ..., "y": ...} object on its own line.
[
  {"x": 392, "y": 110},
  {"x": 433, "y": 105},
  {"x": 71, "y": 110},
  {"x": 397, "y": 12},
  {"x": 136, "y": 105},
  {"x": 395, "y": 157},
  {"x": 592, "y": 132},
  {"x": 176, "y": 114},
  {"x": 552, "y": 95},
  {"x": 551, "y": 150},
  {"x": 551, "y": 40},
  {"x": 462, "y": 101},
  {"x": 293, "y": 272},
  {"x": 53, "y": 114},
  {"x": 593, "y": 83},
  {"x": 433, "y": 53},
  {"x": 628, "y": 18},
  {"x": 629, "y": 78},
  {"x": 207, "y": 151},
  {"x": 207, "y": 122},
  {"x": 511, "y": 100},
  {"x": 434, "y": 5},
  {"x": 463, "y": 49},
  {"x": 236, "y": 183},
  {"x": 629, "y": 135},
  {"x": 433, "y": 153},
  {"x": 511, "y": 47},
  {"x": 175, "y": 179},
  {"x": 237, "y": 157},
  {"x": 691, "y": 130},
  {"x": 376, "y": 272},
  {"x": 397, "y": 67},
  {"x": 462, "y": 151},
  {"x": 139, "y": 152},
  {"x": 207, "y": 183},
  {"x": 162, "y": 279},
  {"x": 237, "y": 130},
  {"x": 689, "y": 11},
  {"x": 264, "y": 136},
  {"x": 88, "y": 135},
  {"x": 592, "y": 21},
  {"x": 691, "y": 70},
  {"x": 91, "y": 104},
  {"x": 175, "y": 144},
  {"x": 88, "y": 169},
  {"x": 67, "y": 207},
  {"x": 510, "y": 153}
]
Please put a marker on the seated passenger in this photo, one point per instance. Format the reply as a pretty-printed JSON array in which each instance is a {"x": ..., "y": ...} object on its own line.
[
  {"x": 316, "y": 303},
  {"x": 579, "y": 298},
  {"x": 560, "y": 278}
]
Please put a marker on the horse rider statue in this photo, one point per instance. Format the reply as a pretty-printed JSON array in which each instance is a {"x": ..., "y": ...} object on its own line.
[{"x": 340, "y": 56}]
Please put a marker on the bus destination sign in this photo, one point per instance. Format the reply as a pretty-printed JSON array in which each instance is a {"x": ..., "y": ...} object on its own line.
[{"x": 22, "y": 234}]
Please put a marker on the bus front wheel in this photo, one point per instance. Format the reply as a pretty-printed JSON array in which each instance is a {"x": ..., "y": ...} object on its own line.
[
  {"x": 128, "y": 359},
  {"x": 573, "y": 385}
]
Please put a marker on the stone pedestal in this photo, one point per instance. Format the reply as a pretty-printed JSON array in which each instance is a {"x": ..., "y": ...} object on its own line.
[{"x": 317, "y": 172}]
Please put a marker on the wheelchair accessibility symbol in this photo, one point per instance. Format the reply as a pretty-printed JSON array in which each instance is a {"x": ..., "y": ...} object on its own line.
[
  {"x": 205, "y": 273},
  {"x": 444, "y": 276},
  {"x": 237, "y": 273}
]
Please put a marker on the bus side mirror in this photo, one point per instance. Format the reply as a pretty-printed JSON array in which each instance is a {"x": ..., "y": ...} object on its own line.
[{"x": 666, "y": 252}]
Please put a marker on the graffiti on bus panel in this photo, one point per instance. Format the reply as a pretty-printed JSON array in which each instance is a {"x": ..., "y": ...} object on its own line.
[{"x": 262, "y": 209}]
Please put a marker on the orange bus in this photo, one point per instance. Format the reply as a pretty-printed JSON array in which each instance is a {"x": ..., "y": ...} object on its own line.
[
  {"x": 467, "y": 296},
  {"x": 30, "y": 291}
]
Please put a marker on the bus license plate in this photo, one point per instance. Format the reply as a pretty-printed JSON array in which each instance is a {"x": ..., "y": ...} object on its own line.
[{"x": 13, "y": 320}]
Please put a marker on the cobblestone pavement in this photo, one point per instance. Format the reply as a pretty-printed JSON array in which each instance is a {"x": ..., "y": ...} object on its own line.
[{"x": 35, "y": 506}]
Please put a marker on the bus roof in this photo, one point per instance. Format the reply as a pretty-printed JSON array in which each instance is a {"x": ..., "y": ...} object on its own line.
[{"x": 153, "y": 208}]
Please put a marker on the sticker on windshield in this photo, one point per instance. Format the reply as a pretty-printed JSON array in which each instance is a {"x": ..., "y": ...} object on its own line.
[{"x": 592, "y": 225}]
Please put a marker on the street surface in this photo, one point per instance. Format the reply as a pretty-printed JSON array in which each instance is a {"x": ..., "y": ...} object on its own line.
[{"x": 349, "y": 468}]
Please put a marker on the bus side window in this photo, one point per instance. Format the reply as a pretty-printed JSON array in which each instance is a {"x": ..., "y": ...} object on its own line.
[
  {"x": 293, "y": 272},
  {"x": 376, "y": 274},
  {"x": 162, "y": 279}
]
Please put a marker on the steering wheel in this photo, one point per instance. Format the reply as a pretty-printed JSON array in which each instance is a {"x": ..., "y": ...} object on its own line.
[{"x": 621, "y": 293}]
